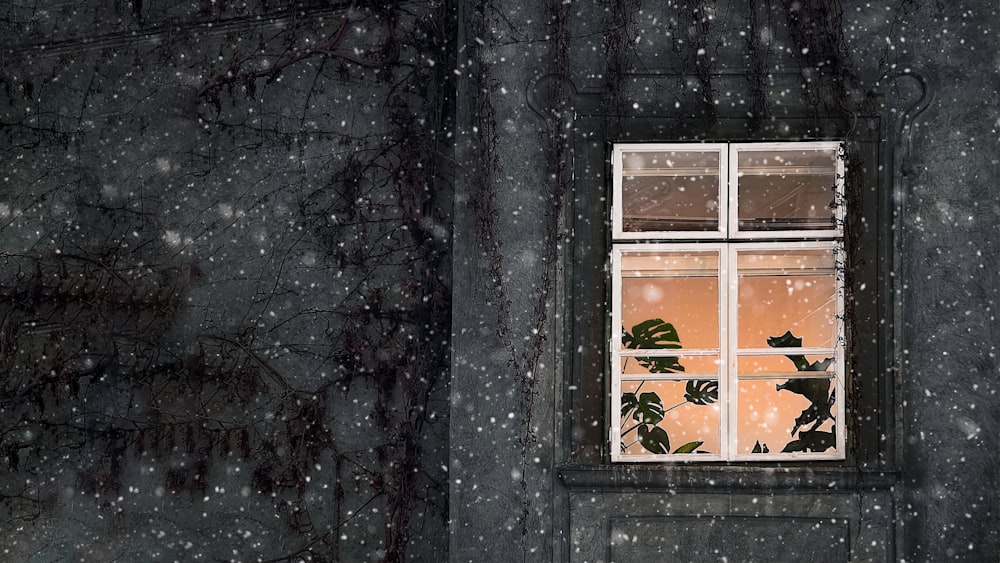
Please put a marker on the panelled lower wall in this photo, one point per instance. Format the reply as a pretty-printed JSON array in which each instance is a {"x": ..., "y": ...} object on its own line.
[{"x": 744, "y": 525}]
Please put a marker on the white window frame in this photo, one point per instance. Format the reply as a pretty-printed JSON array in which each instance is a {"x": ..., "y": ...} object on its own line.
[
  {"x": 733, "y": 203},
  {"x": 728, "y": 248},
  {"x": 617, "y": 222}
]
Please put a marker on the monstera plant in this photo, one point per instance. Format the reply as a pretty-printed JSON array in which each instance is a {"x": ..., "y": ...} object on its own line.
[
  {"x": 645, "y": 410},
  {"x": 816, "y": 391}
]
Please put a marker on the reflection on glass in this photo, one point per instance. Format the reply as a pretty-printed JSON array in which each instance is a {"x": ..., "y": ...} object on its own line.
[
  {"x": 670, "y": 191},
  {"x": 670, "y": 417},
  {"x": 786, "y": 415},
  {"x": 677, "y": 289},
  {"x": 787, "y": 291},
  {"x": 787, "y": 189}
]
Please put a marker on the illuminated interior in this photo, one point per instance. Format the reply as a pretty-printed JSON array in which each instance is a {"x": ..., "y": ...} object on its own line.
[{"x": 777, "y": 292}]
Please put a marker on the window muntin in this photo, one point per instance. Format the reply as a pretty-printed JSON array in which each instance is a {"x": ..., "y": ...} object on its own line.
[{"x": 732, "y": 350}]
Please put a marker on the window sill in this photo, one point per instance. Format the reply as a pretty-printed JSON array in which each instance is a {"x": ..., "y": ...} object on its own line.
[{"x": 811, "y": 478}]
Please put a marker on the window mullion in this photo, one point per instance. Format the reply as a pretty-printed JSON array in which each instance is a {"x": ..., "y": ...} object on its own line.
[
  {"x": 731, "y": 210},
  {"x": 729, "y": 301},
  {"x": 614, "y": 343},
  {"x": 840, "y": 375}
]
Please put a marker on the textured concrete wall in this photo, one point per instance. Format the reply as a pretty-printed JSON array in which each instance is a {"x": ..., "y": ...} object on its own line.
[
  {"x": 224, "y": 305},
  {"x": 502, "y": 461},
  {"x": 950, "y": 239},
  {"x": 227, "y": 257},
  {"x": 924, "y": 75}
]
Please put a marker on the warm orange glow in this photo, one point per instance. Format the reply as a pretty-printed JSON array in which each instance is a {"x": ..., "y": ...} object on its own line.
[
  {"x": 683, "y": 421},
  {"x": 690, "y": 304},
  {"x": 768, "y": 415},
  {"x": 778, "y": 292},
  {"x": 770, "y": 306}
]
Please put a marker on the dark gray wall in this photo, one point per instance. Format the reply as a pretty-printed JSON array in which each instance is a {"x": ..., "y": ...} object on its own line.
[
  {"x": 233, "y": 263},
  {"x": 224, "y": 293},
  {"x": 913, "y": 87}
]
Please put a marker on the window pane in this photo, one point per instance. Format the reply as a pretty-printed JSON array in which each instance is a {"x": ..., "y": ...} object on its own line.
[
  {"x": 787, "y": 291},
  {"x": 670, "y": 190},
  {"x": 686, "y": 412},
  {"x": 679, "y": 289},
  {"x": 794, "y": 415},
  {"x": 787, "y": 189}
]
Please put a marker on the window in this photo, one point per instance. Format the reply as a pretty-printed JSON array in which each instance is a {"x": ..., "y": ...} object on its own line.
[{"x": 727, "y": 340}]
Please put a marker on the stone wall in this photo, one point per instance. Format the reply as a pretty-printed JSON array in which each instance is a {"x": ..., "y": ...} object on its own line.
[
  {"x": 224, "y": 297},
  {"x": 912, "y": 87},
  {"x": 327, "y": 280}
]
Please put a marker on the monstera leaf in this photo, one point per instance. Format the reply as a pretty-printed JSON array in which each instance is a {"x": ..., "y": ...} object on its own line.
[
  {"x": 651, "y": 335},
  {"x": 812, "y": 441},
  {"x": 688, "y": 447},
  {"x": 701, "y": 392},
  {"x": 654, "y": 439},
  {"x": 815, "y": 390},
  {"x": 816, "y": 412},
  {"x": 629, "y": 404},
  {"x": 789, "y": 340},
  {"x": 648, "y": 409}
]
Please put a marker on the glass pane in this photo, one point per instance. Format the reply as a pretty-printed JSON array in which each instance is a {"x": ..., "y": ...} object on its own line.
[
  {"x": 684, "y": 412},
  {"x": 787, "y": 189},
  {"x": 670, "y": 190},
  {"x": 795, "y": 415},
  {"x": 670, "y": 300},
  {"x": 760, "y": 367},
  {"x": 787, "y": 291},
  {"x": 692, "y": 365}
]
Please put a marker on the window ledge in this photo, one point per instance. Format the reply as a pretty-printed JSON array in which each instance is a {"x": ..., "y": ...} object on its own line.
[{"x": 721, "y": 478}]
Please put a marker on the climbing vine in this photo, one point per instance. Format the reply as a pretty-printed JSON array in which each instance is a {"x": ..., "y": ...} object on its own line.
[{"x": 198, "y": 325}]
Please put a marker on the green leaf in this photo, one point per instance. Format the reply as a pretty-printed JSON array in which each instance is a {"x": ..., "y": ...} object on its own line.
[
  {"x": 758, "y": 449},
  {"x": 821, "y": 399},
  {"x": 819, "y": 365},
  {"x": 649, "y": 409},
  {"x": 629, "y": 403},
  {"x": 654, "y": 439},
  {"x": 688, "y": 447},
  {"x": 817, "y": 391},
  {"x": 811, "y": 440},
  {"x": 701, "y": 392},
  {"x": 813, "y": 413},
  {"x": 794, "y": 446},
  {"x": 667, "y": 364},
  {"x": 654, "y": 334},
  {"x": 789, "y": 340}
]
